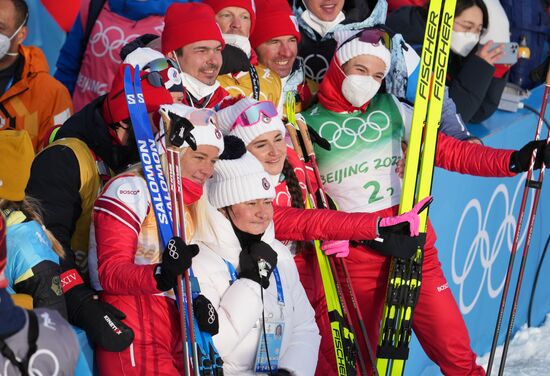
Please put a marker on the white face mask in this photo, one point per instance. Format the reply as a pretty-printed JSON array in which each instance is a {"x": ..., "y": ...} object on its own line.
[
  {"x": 238, "y": 41},
  {"x": 358, "y": 89},
  {"x": 5, "y": 42},
  {"x": 462, "y": 43},
  {"x": 197, "y": 89}
]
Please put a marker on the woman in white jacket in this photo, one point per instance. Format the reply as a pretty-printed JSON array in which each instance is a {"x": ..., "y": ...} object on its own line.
[{"x": 250, "y": 277}]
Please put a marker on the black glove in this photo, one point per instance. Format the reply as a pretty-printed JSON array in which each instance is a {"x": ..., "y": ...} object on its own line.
[
  {"x": 234, "y": 60},
  {"x": 257, "y": 263},
  {"x": 396, "y": 241},
  {"x": 101, "y": 321},
  {"x": 176, "y": 259},
  {"x": 206, "y": 315},
  {"x": 520, "y": 159}
]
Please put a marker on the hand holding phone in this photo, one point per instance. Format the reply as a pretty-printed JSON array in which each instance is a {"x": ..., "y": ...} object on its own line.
[{"x": 499, "y": 53}]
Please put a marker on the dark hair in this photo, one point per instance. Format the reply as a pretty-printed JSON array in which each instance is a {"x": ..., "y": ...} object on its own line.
[
  {"x": 21, "y": 12},
  {"x": 293, "y": 185},
  {"x": 462, "y": 5}
]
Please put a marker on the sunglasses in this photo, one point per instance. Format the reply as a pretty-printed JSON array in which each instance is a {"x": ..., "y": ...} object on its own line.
[
  {"x": 254, "y": 113},
  {"x": 372, "y": 36},
  {"x": 160, "y": 65}
]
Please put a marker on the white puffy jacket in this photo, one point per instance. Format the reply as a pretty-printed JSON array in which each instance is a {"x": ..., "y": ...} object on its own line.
[{"x": 239, "y": 305}]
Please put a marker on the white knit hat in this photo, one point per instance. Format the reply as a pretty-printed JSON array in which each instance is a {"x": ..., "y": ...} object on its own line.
[
  {"x": 205, "y": 131},
  {"x": 239, "y": 180},
  {"x": 355, "y": 47},
  {"x": 227, "y": 117}
]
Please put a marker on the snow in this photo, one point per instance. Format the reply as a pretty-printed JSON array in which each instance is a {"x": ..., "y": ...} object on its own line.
[{"x": 528, "y": 353}]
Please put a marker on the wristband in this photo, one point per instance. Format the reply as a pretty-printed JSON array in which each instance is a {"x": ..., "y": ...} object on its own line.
[{"x": 69, "y": 279}]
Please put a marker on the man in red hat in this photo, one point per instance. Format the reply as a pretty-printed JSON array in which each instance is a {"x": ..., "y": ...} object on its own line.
[
  {"x": 193, "y": 39},
  {"x": 275, "y": 40},
  {"x": 66, "y": 178},
  {"x": 240, "y": 73}
]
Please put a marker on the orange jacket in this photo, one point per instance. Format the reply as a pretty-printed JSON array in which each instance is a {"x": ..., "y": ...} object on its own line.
[{"x": 37, "y": 101}]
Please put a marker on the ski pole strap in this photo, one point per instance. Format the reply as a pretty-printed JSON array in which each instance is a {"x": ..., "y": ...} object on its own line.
[
  {"x": 255, "y": 82},
  {"x": 280, "y": 294}
]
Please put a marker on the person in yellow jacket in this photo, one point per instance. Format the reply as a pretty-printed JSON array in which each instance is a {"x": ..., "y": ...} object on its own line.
[
  {"x": 241, "y": 74},
  {"x": 30, "y": 98}
]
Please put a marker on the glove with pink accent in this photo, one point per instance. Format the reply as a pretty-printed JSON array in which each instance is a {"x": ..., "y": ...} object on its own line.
[
  {"x": 399, "y": 236},
  {"x": 338, "y": 248},
  {"x": 410, "y": 217}
]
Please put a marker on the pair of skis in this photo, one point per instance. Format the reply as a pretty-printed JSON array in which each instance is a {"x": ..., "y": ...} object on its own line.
[
  {"x": 530, "y": 184},
  {"x": 345, "y": 344},
  {"x": 405, "y": 276},
  {"x": 168, "y": 205}
]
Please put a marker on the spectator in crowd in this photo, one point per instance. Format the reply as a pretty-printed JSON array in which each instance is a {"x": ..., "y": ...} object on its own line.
[
  {"x": 197, "y": 49},
  {"x": 318, "y": 20},
  {"x": 475, "y": 79},
  {"x": 24, "y": 333},
  {"x": 275, "y": 39},
  {"x": 30, "y": 98},
  {"x": 89, "y": 59},
  {"x": 66, "y": 178},
  {"x": 33, "y": 253},
  {"x": 240, "y": 73}
]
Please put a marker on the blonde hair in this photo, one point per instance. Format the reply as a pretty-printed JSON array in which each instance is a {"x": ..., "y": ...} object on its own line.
[{"x": 31, "y": 209}]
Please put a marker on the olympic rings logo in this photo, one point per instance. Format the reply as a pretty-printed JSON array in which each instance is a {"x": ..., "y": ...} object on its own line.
[
  {"x": 483, "y": 249},
  {"x": 211, "y": 314},
  {"x": 315, "y": 60},
  {"x": 172, "y": 249},
  {"x": 109, "y": 41},
  {"x": 353, "y": 127},
  {"x": 45, "y": 356}
]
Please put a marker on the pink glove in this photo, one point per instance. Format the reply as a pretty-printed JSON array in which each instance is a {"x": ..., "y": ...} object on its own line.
[
  {"x": 411, "y": 217},
  {"x": 340, "y": 248}
]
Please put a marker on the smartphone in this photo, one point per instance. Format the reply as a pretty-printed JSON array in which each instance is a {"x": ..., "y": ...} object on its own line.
[{"x": 510, "y": 53}]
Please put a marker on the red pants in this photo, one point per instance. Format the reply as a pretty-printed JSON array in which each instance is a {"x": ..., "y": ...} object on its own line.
[
  {"x": 437, "y": 321},
  {"x": 157, "y": 347}
]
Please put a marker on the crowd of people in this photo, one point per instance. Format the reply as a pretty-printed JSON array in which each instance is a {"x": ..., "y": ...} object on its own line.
[{"x": 80, "y": 239}]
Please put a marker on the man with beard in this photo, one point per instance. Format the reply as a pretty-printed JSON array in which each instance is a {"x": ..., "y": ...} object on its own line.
[
  {"x": 66, "y": 178},
  {"x": 192, "y": 38}
]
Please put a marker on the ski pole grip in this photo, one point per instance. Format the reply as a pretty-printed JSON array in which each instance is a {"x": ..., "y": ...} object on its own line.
[
  {"x": 294, "y": 138},
  {"x": 305, "y": 136}
]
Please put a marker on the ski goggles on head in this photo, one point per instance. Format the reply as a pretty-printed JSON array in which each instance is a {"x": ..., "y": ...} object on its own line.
[
  {"x": 373, "y": 36},
  {"x": 201, "y": 117},
  {"x": 161, "y": 64},
  {"x": 254, "y": 113}
]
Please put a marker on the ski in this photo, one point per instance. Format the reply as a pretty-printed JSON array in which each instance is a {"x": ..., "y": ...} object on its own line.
[
  {"x": 530, "y": 184},
  {"x": 405, "y": 276},
  {"x": 161, "y": 199}
]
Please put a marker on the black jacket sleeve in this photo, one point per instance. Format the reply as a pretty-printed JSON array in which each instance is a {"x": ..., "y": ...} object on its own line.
[
  {"x": 475, "y": 91},
  {"x": 44, "y": 287},
  {"x": 55, "y": 183}
]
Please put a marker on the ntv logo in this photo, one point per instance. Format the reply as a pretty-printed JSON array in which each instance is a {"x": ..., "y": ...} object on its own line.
[{"x": 477, "y": 245}]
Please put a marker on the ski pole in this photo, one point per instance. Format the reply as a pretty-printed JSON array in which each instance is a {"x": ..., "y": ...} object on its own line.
[
  {"x": 537, "y": 186},
  {"x": 311, "y": 155},
  {"x": 332, "y": 291}
]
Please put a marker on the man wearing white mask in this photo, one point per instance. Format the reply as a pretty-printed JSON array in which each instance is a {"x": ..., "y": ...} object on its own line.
[
  {"x": 192, "y": 38},
  {"x": 30, "y": 98},
  {"x": 241, "y": 74}
]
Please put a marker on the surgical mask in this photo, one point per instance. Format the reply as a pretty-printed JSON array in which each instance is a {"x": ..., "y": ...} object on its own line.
[
  {"x": 197, "y": 89},
  {"x": 462, "y": 43},
  {"x": 238, "y": 41},
  {"x": 5, "y": 42},
  {"x": 358, "y": 89}
]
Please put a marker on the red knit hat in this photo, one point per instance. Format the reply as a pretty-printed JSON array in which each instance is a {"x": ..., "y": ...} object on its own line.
[
  {"x": 186, "y": 23},
  {"x": 274, "y": 19},
  {"x": 115, "y": 108},
  {"x": 249, "y": 5}
]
